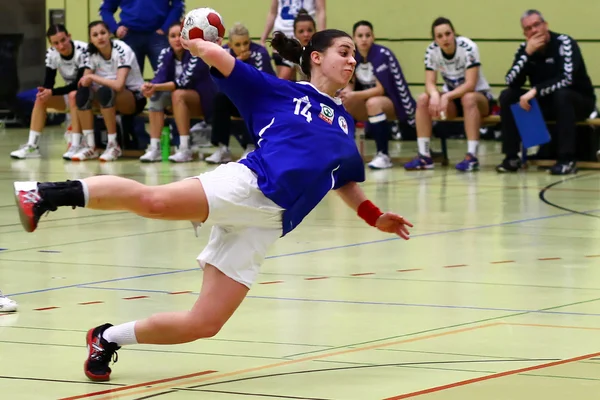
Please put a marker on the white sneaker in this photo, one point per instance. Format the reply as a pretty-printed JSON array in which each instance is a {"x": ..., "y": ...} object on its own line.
[
  {"x": 380, "y": 161},
  {"x": 153, "y": 154},
  {"x": 6, "y": 304},
  {"x": 249, "y": 149},
  {"x": 182, "y": 155},
  {"x": 221, "y": 156},
  {"x": 26, "y": 151},
  {"x": 85, "y": 153},
  {"x": 71, "y": 151},
  {"x": 112, "y": 152}
]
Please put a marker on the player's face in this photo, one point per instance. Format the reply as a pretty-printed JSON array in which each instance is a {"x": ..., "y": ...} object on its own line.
[
  {"x": 304, "y": 31},
  {"x": 364, "y": 38},
  {"x": 240, "y": 44},
  {"x": 99, "y": 36},
  {"x": 175, "y": 38},
  {"x": 444, "y": 37},
  {"x": 62, "y": 43},
  {"x": 338, "y": 61},
  {"x": 534, "y": 26}
]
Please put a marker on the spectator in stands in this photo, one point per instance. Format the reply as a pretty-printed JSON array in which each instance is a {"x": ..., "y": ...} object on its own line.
[
  {"x": 241, "y": 47},
  {"x": 172, "y": 63},
  {"x": 65, "y": 56},
  {"x": 560, "y": 83},
  {"x": 465, "y": 93},
  {"x": 112, "y": 80},
  {"x": 379, "y": 92},
  {"x": 143, "y": 25},
  {"x": 281, "y": 17}
]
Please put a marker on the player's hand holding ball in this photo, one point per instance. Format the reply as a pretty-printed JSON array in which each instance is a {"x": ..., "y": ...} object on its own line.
[{"x": 201, "y": 23}]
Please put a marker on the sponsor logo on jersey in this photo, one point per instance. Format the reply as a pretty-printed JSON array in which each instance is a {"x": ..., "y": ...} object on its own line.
[
  {"x": 343, "y": 124},
  {"x": 326, "y": 113}
]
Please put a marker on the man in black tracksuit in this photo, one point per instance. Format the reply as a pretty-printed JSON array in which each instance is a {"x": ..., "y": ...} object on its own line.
[{"x": 560, "y": 83}]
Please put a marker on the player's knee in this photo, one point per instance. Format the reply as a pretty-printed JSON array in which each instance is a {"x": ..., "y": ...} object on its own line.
[
  {"x": 202, "y": 328},
  {"x": 374, "y": 106},
  {"x": 152, "y": 204},
  {"x": 83, "y": 98},
  {"x": 106, "y": 97},
  {"x": 469, "y": 100},
  {"x": 423, "y": 100},
  {"x": 178, "y": 96}
]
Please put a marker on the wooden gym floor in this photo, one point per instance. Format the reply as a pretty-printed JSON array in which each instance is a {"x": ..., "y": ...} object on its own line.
[{"x": 496, "y": 296}]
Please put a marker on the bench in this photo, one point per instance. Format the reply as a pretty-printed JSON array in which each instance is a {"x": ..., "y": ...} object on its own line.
[{"x": 495, "y": 119}]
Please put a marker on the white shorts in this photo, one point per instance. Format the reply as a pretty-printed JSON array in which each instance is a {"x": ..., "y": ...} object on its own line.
[{"x": 245, "y": 222}]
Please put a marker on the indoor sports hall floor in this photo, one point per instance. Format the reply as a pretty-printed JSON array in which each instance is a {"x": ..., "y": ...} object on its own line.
[{"x": 496, "y": 296}]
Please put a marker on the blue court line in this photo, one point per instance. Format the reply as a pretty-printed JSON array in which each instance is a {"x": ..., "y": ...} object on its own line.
[
  {"x": 309, "y": 251},
  {"x": 368, "y": 303}
]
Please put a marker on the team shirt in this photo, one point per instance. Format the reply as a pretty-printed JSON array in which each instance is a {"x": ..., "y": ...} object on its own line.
[
  {"x": 287, "y": 10},
  {"x": 122, "y": 56},
  {"x": 305, "y": 139},
  {"x": 454, "y": 69}
]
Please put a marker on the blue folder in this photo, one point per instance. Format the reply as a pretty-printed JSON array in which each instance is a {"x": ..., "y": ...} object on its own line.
[{"x": 531, "y": 124}]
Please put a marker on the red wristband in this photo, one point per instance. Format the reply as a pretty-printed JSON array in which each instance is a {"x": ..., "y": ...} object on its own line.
[{"x": 369, "y": 212}]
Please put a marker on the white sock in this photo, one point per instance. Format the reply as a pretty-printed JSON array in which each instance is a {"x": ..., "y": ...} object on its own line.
[
  {"x": 112, "y": 138},
  {"x": 75, "y": 139},
  {"x": 472, "y": 146},
  {"x": 184, "y": 142},
  {"x": 86, "y": 192},
  {"x": 33, "y": 138},
  {"x": 122, "y": 335},
  {"x": 423, "y": 143},
  {"x": 90, "y": 140},
  {"x": 154, "y": 143}
]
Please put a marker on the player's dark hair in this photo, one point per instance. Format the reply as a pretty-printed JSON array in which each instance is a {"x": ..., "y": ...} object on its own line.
[
  {"x": 57, "y": 28},
  {"x": 91, "y": 48},
  {"x": 441, "y": 21},
  {"x": 292, "y": 50},
  {"x": 174, "y": 23},
  {"x": 304, "y": 16},
  {"x": 362, "y": 23}
]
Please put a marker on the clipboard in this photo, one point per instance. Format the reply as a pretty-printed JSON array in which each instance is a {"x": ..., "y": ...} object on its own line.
[{"x": 531, "y": 124}]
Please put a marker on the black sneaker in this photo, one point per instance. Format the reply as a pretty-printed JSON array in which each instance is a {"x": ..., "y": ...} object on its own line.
[
  {"x": 563, "y": 168},
  {"x": 509, "y": 165},
  {"x": 31, "y": 205},
  {"x": 100, "y": 354}
]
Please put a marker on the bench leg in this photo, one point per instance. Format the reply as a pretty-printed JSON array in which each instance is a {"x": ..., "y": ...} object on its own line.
[{"x": 445, "y": 160}]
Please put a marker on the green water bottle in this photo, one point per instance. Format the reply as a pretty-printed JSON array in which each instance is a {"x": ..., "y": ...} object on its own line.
[{"x": 165, "y": 143}]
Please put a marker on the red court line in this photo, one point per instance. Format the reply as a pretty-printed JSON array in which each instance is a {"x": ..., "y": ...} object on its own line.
[
  {"x": 316, "y": 278},
  {"x": 549, "y": 258},
  {"x": 592, "y": 256},
  {"x": 87, "y": 303},
  {"x": 135, "y": 297},
  {"x": 363, "y": 274},
  {"x": 108, "y": 391},
  {"x": 45, "y": 308},
  {"x": 270, "y": 282},
  {"x": 502, "y": 262},
  {"x": 455, "y": 266},
  {"x": 493, "y": 376},
  {"x": 408, "y": 270},
  {"x": 182, "y": 292}
]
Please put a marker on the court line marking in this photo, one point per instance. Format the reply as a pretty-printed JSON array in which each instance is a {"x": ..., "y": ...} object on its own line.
[
  {"x": 282, "y": 255},
  {"x": 373, "y": 303},
  {"x": 509, "y": 372},
  {"x": 492, "y": 376},
  {"x": 129, "y": 387},
  {"x": 195, "y": 380}
]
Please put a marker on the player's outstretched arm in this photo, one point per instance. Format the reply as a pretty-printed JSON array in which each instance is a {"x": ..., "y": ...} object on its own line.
[
  {"x": 388, "y": 222},
  {"x": 211, "y": 53}
]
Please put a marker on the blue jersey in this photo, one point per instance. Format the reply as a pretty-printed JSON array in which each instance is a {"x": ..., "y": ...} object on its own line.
[{"x": 305, "y": 139}]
